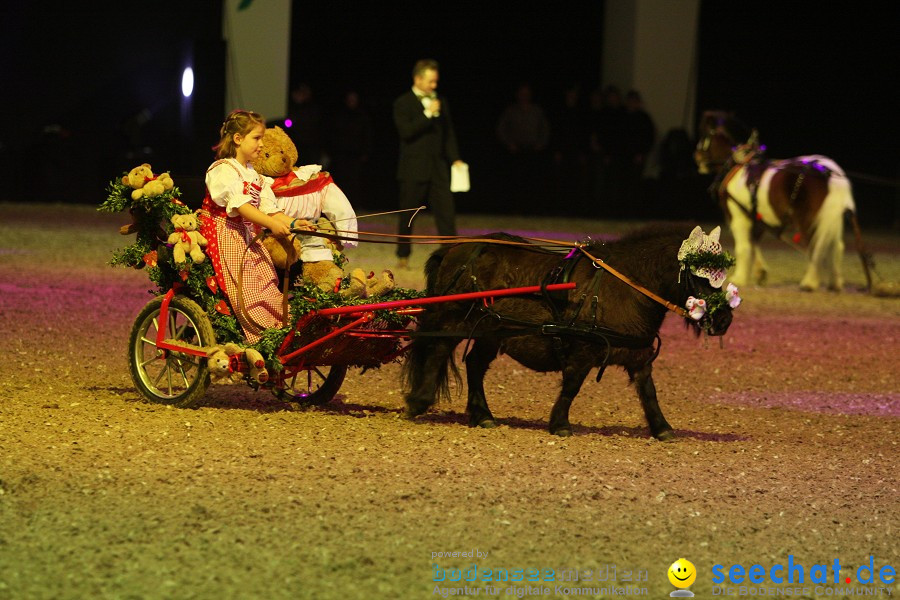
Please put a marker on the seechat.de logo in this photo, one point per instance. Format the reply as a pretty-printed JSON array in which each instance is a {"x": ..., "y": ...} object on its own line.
[
  {"x": 682, "y": 574},
  {"x": 794, "y": 572}
]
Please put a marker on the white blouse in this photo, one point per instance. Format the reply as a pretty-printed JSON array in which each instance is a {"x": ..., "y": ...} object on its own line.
[{"x": 230, "y": 185}]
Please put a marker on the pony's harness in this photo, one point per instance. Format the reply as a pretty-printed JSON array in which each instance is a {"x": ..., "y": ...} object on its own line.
[
  {"x": 563, "y": 325},
  {"x": 755, "y": 166}
]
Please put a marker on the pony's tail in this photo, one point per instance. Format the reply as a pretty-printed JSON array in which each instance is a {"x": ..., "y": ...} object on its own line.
[
  {"x": 432, "y": 267},
  {"x": 865, "y": 256},
  {"x": 424, "y": 388}
]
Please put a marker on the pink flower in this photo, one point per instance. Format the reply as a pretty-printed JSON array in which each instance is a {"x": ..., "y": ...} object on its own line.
[
  {"x": 696, "y": 307},
  {"x": 731, "y": 295}
]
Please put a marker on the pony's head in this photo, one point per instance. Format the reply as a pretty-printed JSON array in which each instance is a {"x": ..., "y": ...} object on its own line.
[
  {"x": 704, "y": 264},
  {"x": 723, "y": 138}
]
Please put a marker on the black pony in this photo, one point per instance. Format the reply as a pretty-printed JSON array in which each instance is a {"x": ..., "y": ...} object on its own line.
[{"x": 603, "y": 321}]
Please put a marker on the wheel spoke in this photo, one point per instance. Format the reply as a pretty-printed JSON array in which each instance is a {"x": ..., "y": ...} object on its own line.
[
  {"x": 183, "y": 376},
  {"x": 318, "y": 372},
  {"x": 160, "y": 376},
  {"x": 148, "y": 361}
]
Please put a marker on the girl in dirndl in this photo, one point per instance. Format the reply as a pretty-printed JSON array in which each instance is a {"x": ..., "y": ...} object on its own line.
[{"x": 238, "y": 203}]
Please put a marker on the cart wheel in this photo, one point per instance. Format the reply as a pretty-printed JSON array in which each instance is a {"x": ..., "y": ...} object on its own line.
[
  {"x": 174, "y": 378},
  {"x": 315, "y": 386}
]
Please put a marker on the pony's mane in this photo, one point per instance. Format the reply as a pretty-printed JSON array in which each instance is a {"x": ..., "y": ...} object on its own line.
[
  {"x": 655, "y": 232},
  {"x": 737, "y": 129}
]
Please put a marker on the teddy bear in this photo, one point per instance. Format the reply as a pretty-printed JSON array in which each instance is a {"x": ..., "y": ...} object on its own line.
[
  {"x": 376, "y": 286},
  {"x": 368, "y": 286},
  {"x": 276, "y": 159},
  {"x": 186, "y": 239},
  {"x": 280, "y": 248},
  {"x": 145, "y": 184},
  {"x": 257, "y": 365},
  {"x": 218, "y": 361},
  {"x": 223, "y": 363},
  {"x": 278, "y": 154}
]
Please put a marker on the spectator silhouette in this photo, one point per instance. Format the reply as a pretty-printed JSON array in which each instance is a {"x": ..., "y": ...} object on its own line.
[
  {"x": 306, "y": 125},
  {"x": 607, "y": 145},
  {"x": 570, "y": 142},
  {"x": 350, "y": 145},
  {"x": 524, "y": 131},
  {"x": 640, "y": 133}
]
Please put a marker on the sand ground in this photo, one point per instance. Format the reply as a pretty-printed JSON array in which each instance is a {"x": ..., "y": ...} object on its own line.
[{"x": 787, "y": 445}]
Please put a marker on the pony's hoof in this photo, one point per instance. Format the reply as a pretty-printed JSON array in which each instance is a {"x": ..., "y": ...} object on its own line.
[
  {"x": 410, "y": 414},
  {"x": 564, "y": 432},
  {"x": 487, "y": 424},
  {"x": 805, "y": 287},
  {"x": 665, "y": 436}
]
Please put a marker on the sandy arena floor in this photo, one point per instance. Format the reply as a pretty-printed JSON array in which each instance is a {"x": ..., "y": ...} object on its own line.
[{"x": 787, "y": 445}]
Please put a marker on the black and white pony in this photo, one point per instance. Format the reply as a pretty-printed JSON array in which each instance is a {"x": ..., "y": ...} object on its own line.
[{"x": 803, "y": 200}]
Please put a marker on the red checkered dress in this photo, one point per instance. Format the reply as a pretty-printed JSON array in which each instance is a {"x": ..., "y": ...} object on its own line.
[{"x": 228, "y": 239}]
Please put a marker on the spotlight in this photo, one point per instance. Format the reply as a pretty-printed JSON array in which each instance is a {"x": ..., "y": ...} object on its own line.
[
  {"x": 187, "y": 82},
  {"x": 288, "y": 123}
]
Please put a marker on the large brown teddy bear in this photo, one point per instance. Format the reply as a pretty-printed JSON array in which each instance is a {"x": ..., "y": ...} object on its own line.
[
  {"x": 277, "y": 158},
  {"x": 186, "y": 239}
]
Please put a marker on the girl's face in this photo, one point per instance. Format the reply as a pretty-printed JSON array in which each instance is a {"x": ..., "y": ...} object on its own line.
[{"x": 248, "y": 145}]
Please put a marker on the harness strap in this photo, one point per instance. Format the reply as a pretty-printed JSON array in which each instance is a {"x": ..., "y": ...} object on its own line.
[
  {"x": 600, "y": 264},
  {"x": 595, "y": 334}
]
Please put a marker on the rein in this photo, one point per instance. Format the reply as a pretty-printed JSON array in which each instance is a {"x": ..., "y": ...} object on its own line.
[
  {"x": 600, "y": 264},
  {"x": 597, "y": 262}
]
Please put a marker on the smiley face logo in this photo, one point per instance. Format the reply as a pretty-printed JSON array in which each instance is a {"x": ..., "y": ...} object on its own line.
[{"x": 682, "y": 573}]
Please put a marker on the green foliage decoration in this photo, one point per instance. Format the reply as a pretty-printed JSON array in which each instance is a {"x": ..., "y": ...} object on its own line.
[
  {"x": 710, "y": 260},
  {"x": 153, "y": 221}
]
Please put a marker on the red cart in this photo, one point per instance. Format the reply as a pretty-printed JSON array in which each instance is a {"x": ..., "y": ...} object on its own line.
[{"x": 171, "y": 337}]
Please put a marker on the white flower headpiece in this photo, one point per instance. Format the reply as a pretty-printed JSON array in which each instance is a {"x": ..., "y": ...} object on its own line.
[{"x": 697, "y": 251}]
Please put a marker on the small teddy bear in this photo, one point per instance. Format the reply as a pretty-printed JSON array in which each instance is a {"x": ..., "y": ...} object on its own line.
[
  {"x": 257, "y": 365},
  {"x": 368, "y": 286},
  {"x": 324, "y": 274},
  {"x": 186, "y": 239},
  {"x": 145, "y": 184},
  {"x": 218, "y": 361},
  {"x": 376, "y": 286},
  {"x": 223, "y": 363}
]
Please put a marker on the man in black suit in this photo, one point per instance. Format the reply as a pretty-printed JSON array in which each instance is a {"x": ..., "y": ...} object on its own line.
[{"x": 427, "y": 149}]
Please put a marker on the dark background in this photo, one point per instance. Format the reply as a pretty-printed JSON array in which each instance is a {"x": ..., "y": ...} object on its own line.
[{"x": 91, "y": 90}]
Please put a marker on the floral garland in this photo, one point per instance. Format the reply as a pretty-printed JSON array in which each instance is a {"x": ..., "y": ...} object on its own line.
[
  {"x": 704, "y": 256},
  {"x": 710, "y": 303},
  {"x": 710, "y": 260},
  {"x": 152, "y": 220}
]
